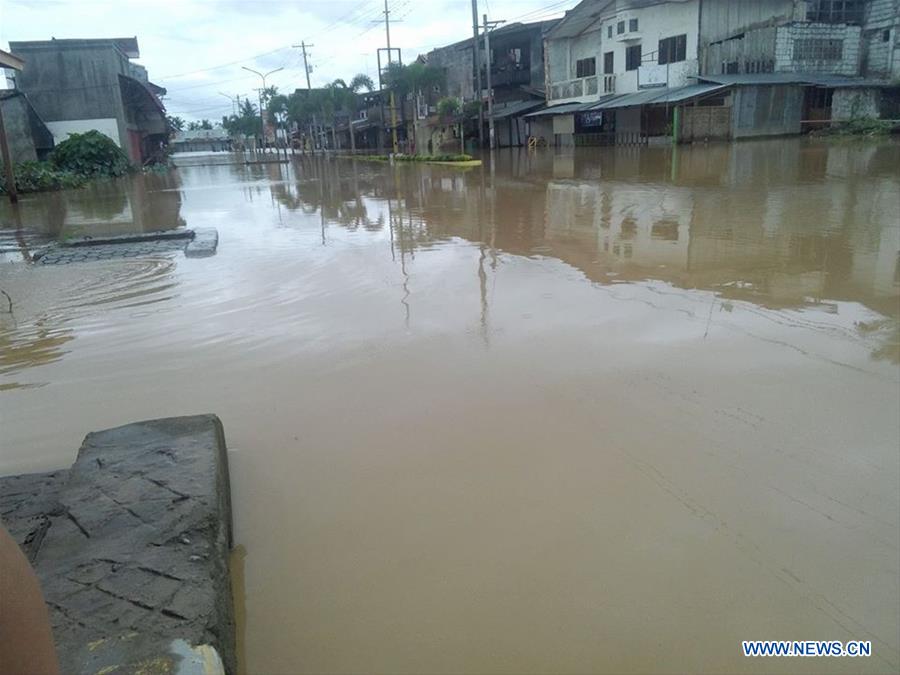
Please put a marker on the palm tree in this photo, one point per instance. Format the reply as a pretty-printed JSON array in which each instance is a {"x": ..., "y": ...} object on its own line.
[{"x": 361, "y": 81}]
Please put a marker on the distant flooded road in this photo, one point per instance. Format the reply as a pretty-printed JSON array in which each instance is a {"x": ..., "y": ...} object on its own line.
[{"x": 611, "y": 411}]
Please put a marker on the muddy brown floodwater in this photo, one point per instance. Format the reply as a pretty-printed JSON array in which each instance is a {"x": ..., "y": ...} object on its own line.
[{"x": 611, "y": 411}]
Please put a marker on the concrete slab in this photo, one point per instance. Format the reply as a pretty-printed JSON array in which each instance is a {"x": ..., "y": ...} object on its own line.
[
  {"x": 194, "y": 243},
  {"x": 133, "y": 556},
  {"x": 204, "y": 243}
]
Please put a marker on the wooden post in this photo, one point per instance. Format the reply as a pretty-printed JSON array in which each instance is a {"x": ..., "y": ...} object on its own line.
[{"x": 7, "y": 162}]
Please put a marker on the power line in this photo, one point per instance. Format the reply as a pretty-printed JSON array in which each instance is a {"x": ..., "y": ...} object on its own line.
[{"x": 222, "y": 65}]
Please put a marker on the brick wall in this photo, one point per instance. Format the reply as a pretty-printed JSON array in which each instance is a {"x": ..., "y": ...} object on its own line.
[{"x": 811, "y": 48}]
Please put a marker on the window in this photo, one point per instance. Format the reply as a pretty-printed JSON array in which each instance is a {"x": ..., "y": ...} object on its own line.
[
  {"x": 633, "y": 57},
  {"x": 730, "y": 68},
  {"x": 608, "y": 63},
  {"x": 886, "y": 35},
  {"x": 835, "y": 11},
  {"x": 586, "y": 67},
  {"x": 632, "y": 25},
  {"x": 620, "y": 28},
  {"x": 673, "y": 49},
  {"x": 609, "y": 31},
  {"x": 818, "y": 49}
]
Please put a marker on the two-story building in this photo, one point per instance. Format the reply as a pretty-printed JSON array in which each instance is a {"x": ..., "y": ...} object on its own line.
[
  {"x": 516, "y": 69},
  {"x": 607, "y": 59},
  {"x": 793, "y": 65},
  {"x": 83, "y": 85},
  {"x": 708, "y": 69}
]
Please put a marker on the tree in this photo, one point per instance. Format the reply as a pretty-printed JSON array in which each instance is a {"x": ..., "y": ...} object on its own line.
[
  {"x": 205, "y": 124},
  {"x": 245, "y": 123},
  {"x": 361, "y": 81},
  {"x": 175, "y": 123}
]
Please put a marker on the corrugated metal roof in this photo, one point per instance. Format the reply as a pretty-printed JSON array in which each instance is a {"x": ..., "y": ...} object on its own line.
[
  {"x": 687, "y": 92},
  {"x": 815, "y": 79},
  {"x": 561, "y": 109},
  {"x": 515, "y": 108},
  {"x": 627, "y": 100}
]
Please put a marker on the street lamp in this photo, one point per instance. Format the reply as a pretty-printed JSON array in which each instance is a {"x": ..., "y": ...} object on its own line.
[{"x": 262, "y": 122}]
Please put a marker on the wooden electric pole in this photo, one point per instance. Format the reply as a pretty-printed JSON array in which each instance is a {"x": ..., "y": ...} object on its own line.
[
  {"x": 477, "y": 57},
  {"x": 7, "y": 161},
  {"x": 387, "y": 30}
]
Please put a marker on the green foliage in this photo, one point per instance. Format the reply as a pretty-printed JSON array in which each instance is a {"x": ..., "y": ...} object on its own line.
[
  {"x": 416, "y": 77},
  {"x": 361, "y": 81},
  {"x": 90, "y": 154},
  {"x": 449, "y": 107},
  {"x": 422, "y": 158},
  {"x": 202, "y": 124},
  {"x": 174, "y": 123},
  {"x": 246, "y": 123},
  {"x": 471, "y": 109},
  {"x": 860, "y": 126},
  {"x": 41, "y": 177}
]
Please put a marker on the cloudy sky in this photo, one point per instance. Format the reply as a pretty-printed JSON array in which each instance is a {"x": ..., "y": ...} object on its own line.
[{"x": 195, "y": 48}]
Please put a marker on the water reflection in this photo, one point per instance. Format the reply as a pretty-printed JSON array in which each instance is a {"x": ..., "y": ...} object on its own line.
[
  {"x": 141, "y": 203},
  {"x": 47, "y": 303},
  {"x": 780, "y": 224}
]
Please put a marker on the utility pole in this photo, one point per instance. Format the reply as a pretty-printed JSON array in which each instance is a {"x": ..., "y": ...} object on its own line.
[
  {"x": 477, "y": 57},
  {"x": 304, "y": 47},
  {"x": 387, "y": 30},
  {"x": 7, "y": 163},
  {"x": 488, "y": 26}
]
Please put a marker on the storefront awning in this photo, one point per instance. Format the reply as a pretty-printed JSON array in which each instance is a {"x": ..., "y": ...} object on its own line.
[{"x": 562, "y": 109}]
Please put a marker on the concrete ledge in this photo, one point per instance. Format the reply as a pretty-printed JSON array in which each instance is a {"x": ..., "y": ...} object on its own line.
[
  {"x": 133, "y": 548},
  {"x": 194, "y": 243},
  {"x": 204, "y": 243},
  {"x": 157, "y": 235}
]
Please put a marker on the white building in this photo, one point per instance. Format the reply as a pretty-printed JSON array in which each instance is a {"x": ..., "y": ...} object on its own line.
[{"x": 622, "y": 46}]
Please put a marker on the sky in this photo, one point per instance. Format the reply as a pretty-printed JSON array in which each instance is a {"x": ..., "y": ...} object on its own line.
[{"x": 195, "y": 48}]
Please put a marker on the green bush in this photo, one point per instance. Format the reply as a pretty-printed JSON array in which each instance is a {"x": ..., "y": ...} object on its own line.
[
  {"x": 90, "y": 154},
  {"x": 859, "y": 126},
  {"x": 40, "y": 177}
]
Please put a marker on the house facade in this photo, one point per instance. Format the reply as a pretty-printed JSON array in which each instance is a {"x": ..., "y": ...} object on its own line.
[
  {"x": 517, "y": 75},
  {"x": 717, "y": 69},
  {"x": 83, "y": 85}
]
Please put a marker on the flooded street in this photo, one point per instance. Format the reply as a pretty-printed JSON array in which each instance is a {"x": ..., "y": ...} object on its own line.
[{"x": 611, "y": 411}]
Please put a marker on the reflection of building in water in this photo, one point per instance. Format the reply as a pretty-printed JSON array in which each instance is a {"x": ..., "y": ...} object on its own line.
[
  {"x": 781, "y": 223},
  {"x": 144, "y": 203}
]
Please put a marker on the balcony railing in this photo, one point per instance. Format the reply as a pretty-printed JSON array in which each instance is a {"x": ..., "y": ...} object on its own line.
[
  {"x": 609, "y": 84},
  {"x": 582, "y": 86}
]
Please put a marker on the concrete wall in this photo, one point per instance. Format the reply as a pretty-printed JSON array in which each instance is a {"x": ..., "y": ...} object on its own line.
[
  {"x": 72, "y": 83},
  {"x": 107, "y": 127},
  {"x": 767, "y": 111},
  {"x": 787, "y": 39},
  {"x": 457, "y": 63},
  {"x": 848, "y": 104}
]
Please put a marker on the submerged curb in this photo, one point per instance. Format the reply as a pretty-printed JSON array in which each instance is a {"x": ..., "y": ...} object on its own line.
[
  {"x": 199, "y": 243},
  {"x": 131, "y": 545}
]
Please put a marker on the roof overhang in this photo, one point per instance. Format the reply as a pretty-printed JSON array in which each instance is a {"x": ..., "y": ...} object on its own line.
[{"x": 8, "y": 60}]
